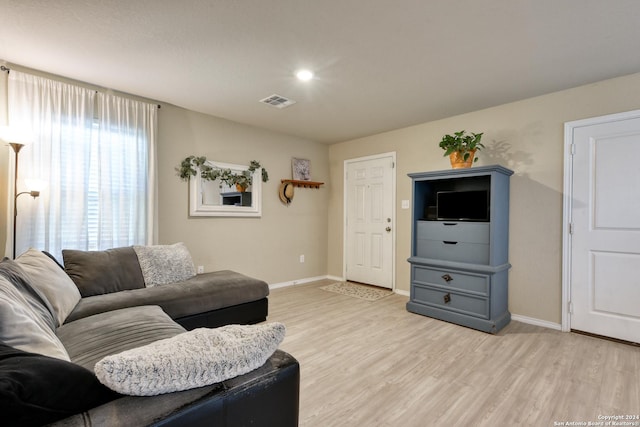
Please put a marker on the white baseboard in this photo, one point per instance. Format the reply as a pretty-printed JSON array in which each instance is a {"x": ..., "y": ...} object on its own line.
[
  {"x": 536, "y": 322},
  {"x": 301, "y": 281},
  {"x": 401, "y": 292}
]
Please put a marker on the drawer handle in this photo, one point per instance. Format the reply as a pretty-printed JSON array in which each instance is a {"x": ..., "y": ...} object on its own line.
[
  {"x": 447, "y": 278},
  {"x": 447, "y": 298},
  {"x": 449, "y": 242}
]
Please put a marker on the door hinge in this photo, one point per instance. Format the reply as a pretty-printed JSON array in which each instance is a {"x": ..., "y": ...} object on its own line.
[
  {"x": 571, "y": 228},
  {"x": 570, "y": 307},
  {"x": 393, "y": 165},
  {"x": 573, "y": 148}
]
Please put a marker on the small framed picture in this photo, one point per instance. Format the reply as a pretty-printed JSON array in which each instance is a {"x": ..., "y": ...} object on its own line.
[{"x": 301, "y": 169}]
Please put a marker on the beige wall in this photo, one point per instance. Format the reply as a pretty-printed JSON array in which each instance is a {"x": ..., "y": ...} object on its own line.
[
  {"x": 268, "y": 247},
  {"x": 526, "y": 136}
]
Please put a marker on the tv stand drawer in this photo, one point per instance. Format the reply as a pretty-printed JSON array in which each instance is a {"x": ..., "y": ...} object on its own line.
[
  {"x": 474, "y": 253},
  {"x": 452, "y": 280},
  {"x": 458, "y": 231},
  {"x": 459, "y": 303}
]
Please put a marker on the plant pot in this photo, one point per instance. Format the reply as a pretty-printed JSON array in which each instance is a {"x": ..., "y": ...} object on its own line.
[
  {"x": 240, "y": 188},
  {"x": 458, "y": 162}
]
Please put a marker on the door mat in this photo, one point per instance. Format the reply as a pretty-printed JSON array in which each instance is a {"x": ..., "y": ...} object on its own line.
[{"x": 356, "y": 290}]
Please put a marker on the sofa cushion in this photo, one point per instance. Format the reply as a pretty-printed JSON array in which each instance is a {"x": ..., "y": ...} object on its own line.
[
  {"x": 36, "y": 389},
  {"x": 201, "y": 293},
  {"x": 90, "y": 339},
  {"x": 162, "y": 264},
  {"x": 26, "y": 321},
  {"x": 103, "y": 272},
  {"x": 194, "y": 359},
  {"x": 47, "y": 276}
]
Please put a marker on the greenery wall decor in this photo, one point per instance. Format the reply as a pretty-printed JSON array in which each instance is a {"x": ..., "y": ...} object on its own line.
[{"x": 190, "y": 165}]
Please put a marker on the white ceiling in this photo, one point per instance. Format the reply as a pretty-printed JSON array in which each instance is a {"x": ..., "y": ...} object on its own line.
[{"x": 379, "y": 64}]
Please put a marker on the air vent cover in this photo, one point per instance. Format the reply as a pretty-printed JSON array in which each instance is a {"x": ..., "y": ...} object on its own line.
[{"x": 278, "y": 101}]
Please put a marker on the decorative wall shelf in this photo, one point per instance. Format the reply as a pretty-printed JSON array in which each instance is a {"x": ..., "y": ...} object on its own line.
[{"x": 305, "y": 184}]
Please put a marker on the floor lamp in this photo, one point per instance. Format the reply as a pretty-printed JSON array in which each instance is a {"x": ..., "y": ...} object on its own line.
[{"x": 16, "y": 148}]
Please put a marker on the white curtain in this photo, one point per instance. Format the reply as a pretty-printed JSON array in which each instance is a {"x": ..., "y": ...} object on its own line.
[{"x": 96, "y": 154}]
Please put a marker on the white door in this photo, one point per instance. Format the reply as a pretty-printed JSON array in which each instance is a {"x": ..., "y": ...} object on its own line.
[
  {"x": 605, "y": 238},
  {"x": 369, "y": 220}
]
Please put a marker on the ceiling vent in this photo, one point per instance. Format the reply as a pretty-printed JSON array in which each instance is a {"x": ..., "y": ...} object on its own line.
[{"x": 278, "y": 101}]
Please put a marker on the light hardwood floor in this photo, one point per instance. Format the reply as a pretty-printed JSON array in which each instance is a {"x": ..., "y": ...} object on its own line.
[{"x": 375, "y": 364}]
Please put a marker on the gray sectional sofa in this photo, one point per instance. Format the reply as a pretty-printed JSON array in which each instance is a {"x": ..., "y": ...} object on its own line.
[
  {"x": 56, "y": 324},
  {"x": 113, "y": 279}
]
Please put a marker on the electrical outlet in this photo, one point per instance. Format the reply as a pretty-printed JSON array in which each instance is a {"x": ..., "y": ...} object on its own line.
[
  {"x": 301, "y": 258},
  {"x": 200, "y": 269}
]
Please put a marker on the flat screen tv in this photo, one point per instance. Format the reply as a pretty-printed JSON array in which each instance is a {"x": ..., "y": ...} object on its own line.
[{"x": 463, "y": 205}]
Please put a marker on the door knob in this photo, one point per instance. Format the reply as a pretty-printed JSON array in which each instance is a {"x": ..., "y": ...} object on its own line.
[{"x": 388, "y": 229}]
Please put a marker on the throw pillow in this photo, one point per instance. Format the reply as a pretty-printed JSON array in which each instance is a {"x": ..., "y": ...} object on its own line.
[
  {"x": 54, "y": 259},
  {"x": 22, "y": 325},
  {"x": 162, "y": 264},
  {"x": 103, "y": 272},
  {"x": 19, "y": 278},
  {"x": 193, "y": 359},
  {"x": 53, "y": 282},
  {"x": 37, "y": 390}
]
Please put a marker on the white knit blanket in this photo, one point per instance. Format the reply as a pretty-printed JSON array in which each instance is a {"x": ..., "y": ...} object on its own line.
[{"x": 193, "y": 359}]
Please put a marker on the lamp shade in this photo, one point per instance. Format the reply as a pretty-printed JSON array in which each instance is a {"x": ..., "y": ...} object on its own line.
[
  {"x": 15, "y": 135},
  {"x": 34, "y": 184}
]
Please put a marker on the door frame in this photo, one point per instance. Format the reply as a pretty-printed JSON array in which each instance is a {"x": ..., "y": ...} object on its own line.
[
  {"x": 345, "y": 194},
  {"x": 567, "y": 205}
]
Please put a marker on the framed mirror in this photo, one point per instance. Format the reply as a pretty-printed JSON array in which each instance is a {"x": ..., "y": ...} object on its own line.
[{"x": 218, "y": 198}]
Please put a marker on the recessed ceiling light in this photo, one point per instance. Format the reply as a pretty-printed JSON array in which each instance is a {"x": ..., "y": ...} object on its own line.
[{"x": 304, "y": 75}]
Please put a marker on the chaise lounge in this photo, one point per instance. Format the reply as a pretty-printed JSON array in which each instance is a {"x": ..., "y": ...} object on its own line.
[{"x": 114, "y": 279}]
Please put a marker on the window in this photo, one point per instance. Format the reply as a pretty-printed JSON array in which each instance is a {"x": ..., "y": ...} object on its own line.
[{"x": 96, "y": 152}]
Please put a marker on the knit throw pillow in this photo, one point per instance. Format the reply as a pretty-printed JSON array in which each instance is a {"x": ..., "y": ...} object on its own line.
[
  {"x": 193, "y": 359},
  {"x": 162, "y": 264}
]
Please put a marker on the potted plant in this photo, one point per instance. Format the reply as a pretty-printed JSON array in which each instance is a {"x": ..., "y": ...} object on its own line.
[
  {"x": 241, "y": 180},
  {"x": 461, "y": 148}
]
